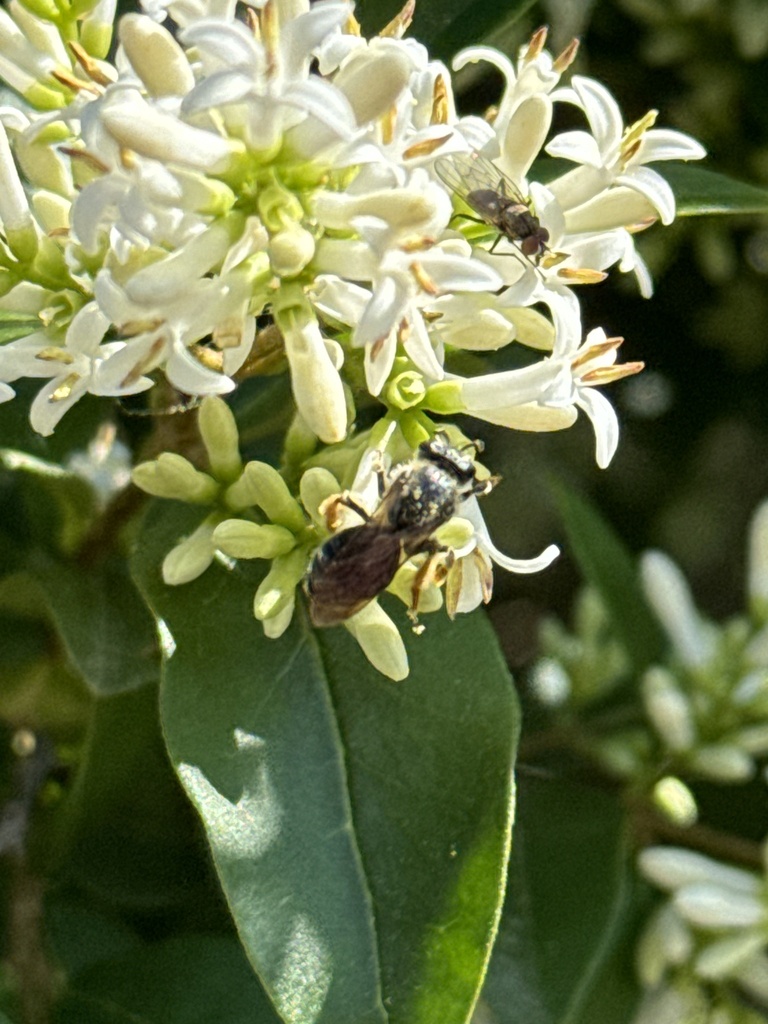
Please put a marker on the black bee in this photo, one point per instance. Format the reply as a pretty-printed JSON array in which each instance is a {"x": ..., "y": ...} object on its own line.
[
  {"x": 496, "y": 199},
  {"x": 357, "y": 564}
]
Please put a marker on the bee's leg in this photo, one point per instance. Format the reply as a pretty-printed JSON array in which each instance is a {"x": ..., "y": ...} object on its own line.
[
  {"x": 483, "y": 487},
  {"x": 434, "y": 570},
  {"x": 330, "y": 509}
]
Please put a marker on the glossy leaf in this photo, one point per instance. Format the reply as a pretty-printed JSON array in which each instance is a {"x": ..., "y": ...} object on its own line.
[
  {"x": 359, "y": 826},
  {"x": 445, "y": 26},
  {"x": 124, "y": 833},
  {"x": 699, "y": 190},
  {"x": 60, "y": 504},
  {"x": 565, "y": 949},
  {"x": 610, "y": 569},
  {"x": 183, "y": 980},
  {"x": 108, "y": 633}
]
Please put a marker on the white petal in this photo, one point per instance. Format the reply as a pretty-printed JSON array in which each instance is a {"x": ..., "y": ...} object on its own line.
[
  {"x": 577, "y": 146},
  {"x": 670, "y": 867},
  {"x": 44, "y": 414},
  {"x": 189, "y": 376},
  {"x": 667, "y": 590},
  {"x": 666, "y": 144},
  {"x": 655, "y": 189},
  {"x": 383, "y": 313},
  {"x": 602, "y": 112},
  {"x": 712, "y": 906},
  {"x": 604, "y": 421},
  {"x": 419, "y": 348},
  {"x": 87, "y": 329}
]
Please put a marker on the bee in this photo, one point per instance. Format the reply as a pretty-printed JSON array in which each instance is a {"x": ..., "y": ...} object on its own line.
[
  {"x": 495, "y": 199},
  {"x": 355, "y": 565}
]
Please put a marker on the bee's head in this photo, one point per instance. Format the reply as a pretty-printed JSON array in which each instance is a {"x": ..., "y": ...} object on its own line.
[{"x": 457, "y": 462}]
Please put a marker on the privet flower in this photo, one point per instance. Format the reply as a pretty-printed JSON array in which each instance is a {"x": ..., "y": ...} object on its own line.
[
  {"x": 706, "y": 704},
  {"x": 708, "y": 938},
  {"x": 286, "y": 169},
  {"x": 214, "y": 174}
]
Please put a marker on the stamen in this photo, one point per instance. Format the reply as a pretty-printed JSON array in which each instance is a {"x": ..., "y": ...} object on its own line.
[
  {"x": 94, "y": 70},
  {"x": 580, "y": 275},
  {"x": 567, "y": 57},
  {"x": 55, "y": 354},
  {"x": 64, "y": 390},
  {"x": 425, "y": 281},
  {"x": 536, "y": 45},
  {"x": 596, "y": 352},
  {"x": 401, "y": 22},
  {"x": 608, "y": 374},
  {"x": 439, "y": 113}
]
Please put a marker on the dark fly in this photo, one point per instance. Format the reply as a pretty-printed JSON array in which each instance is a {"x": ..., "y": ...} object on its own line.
[
  {"x": 355, "y": 565},
  {"x": 495, "y": 199}
]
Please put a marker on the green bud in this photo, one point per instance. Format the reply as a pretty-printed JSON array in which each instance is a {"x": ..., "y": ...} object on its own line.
[
  {"x": 379, "y": 641},
  {"x": 219, "y": 433},
  {"x": 406, "y": 390},
  {"x": 278, "y": 207},
  {"x": 191, "y": 556},
  {"x": 241, "y": 538},
  {"x": 261, "y": 484},
  {"x": 675, "y": 801},
  {"x": 291, "y": 250},
  {"x": 276, "y": 592},
  {"x": 22, "y": 242},
  {"x": 316, "y": 485},
  {"x": 45, "y": 9},
  {"x": 173, "y": 476}
]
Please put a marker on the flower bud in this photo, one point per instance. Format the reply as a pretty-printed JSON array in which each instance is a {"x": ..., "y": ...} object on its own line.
[
  {"x": 261, "y": 484},
  {"x": 722, "y": 762},
  {"x": 706, "y": 905},
  {"x": 406, "y": 390},
  {"x": 291, "y": 250},
  {"x": 723, "y": 957},
  {"x": 276, "y": 591},
  {"x": 241, "y": 538},
  {"x": 670, "y": 867},
  {"x": 155, "y": 56},
  {"x": 219, "y": 433},
  {"x": 191, "y": 556},
  {"x": 317, "y": 485},
  {"x": 675, "y": 800},
  {"x": 380, "y": 641},
  {"x": 669, "y": 709},
  {"x": 172, "y": 476}
]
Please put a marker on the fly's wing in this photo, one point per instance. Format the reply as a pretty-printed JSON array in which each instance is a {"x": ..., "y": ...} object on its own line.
[
  {"x": 464, "y": 173},
  {"x": 349, "y": 570}
]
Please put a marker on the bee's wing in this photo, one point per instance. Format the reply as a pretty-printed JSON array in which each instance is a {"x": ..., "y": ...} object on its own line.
[{"x": 470, "y": 172}]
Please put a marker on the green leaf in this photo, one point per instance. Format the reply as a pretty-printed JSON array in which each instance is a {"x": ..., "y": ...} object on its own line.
[
  {"x": 108, "y": 633},
  {"x": 60, "y": 504},
  {"x": 610, "y": 569},
  {"x": 701, "y": 191},
  {"x": 359, "y": 826},
  {"x": 446, "y": 26},
  {"x": 565, "y": 948},
  {"x": 185, "y": 980},
  {"x": 80, "y": 936},
  {"x": 125, "y": 833}
]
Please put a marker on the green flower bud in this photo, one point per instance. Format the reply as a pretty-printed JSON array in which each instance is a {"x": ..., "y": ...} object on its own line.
[
  {"x": 316, "y": 485},
  {"x": 191, "y": 556},
  {"x": 219, "y": 433},
  {"x": 261, "y": 484},
  {"x": 291, "y": 250},
  {"x": 173, "y": 476},
  {"x": 675, "y": 801},
  {"x": 241, "y": 538},
  {"x": 276, "y": 592},
  {"x": 406, "y": 390},
  {"x": 380, "y": 641}
]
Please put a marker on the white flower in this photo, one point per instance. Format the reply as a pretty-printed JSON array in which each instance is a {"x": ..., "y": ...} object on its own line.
[
  {"x": 669, "y": 595},
  {"x": 82, "y": 364},
  {"x": 545, "y": 395},
  {"x": 612, "y": 155}
]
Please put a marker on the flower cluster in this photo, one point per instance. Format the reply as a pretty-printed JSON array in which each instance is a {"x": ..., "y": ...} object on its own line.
[
  {"x": 706, "y": 704},
  {"x": 702, "y": 955},
  {"x": 285, "y": 169}
]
